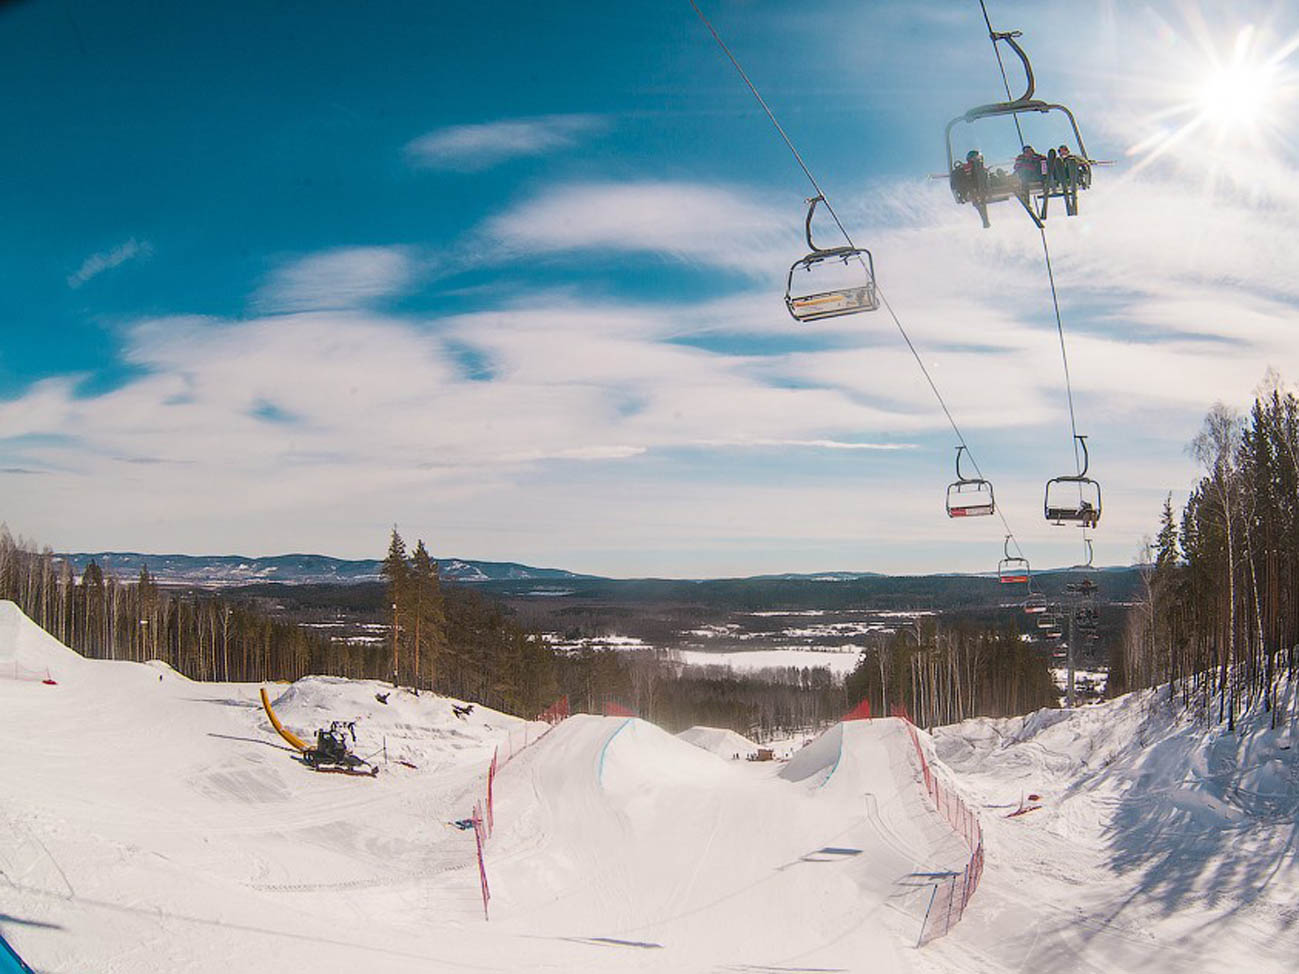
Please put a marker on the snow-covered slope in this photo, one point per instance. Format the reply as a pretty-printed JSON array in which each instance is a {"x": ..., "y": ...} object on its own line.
[
  {"x": 152, "y": 824},
  {"x": 1162, "y": 844},
  {"x": 720, "y": 741}
]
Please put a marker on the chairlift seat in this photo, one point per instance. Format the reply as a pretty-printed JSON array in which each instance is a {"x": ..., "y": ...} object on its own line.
[
  {"x": 1001, "y": 189},
  {"x": 1013, "y": 571},
  {"x": 970, "y": 496},
  {"x": 831, "y": 304},
  {"x": 822, "y": 293},
  {"x": 1074, "y": 499}
]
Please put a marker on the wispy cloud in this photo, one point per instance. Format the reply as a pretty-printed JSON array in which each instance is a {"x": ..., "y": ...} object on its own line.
[
  {"x": 474, "y": 147},
  {"x": 96, "y": 264},
  {"x": 715, "y": 225},
  {"x": 348, "y": 277}
]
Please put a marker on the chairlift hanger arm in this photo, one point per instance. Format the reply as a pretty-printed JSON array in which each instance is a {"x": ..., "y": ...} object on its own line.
[
  {"x": 1086, "y": 458},
  {"x": 960, "y": 477},
  {"x": 811, "y": 210},
  {"x": 1009, "y": 38}
]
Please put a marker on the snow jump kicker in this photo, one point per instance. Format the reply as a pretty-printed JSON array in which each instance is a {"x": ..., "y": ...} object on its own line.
[{"x": 331, "y": 752}]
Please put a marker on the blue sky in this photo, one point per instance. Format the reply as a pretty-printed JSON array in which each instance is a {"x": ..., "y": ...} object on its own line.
[{"x": 510, "y": 275}]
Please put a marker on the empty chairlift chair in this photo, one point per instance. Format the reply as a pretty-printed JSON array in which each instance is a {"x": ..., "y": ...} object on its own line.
[
  {"x": 1012, "y": 570},
  {"x": 969, "y": 496},
  {"x": 1035, "y": 604},
  {"x": 1060, "y": 177},
  {"x": 830, "y": 283},
  {"x": 1074, "y": 499}
]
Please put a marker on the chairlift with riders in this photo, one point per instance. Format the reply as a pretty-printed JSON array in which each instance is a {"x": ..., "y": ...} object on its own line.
[
  {"x": 827, "y": 284},
  {"x": 1058, "y": 504},
  {"x": 969, "y": 496},
  {"x": 1057, "y": 176}
]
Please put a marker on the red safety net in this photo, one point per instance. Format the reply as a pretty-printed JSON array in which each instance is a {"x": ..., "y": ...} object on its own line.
[
  {"x": 614, "y": 709},
  {"x": 556, "y": 712},
  {"x": 860, "y": 712},
  {"x": 951, "y": 895}
]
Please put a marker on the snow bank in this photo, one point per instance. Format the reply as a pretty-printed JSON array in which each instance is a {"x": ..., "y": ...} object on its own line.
[
  {"x": 26, "y": 647},
  {"x": 1165, "y": 837}
]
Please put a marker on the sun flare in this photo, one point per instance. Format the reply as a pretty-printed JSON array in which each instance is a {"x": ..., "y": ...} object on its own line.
[
  {"x": 1237, "y": 95},
  {"x": 1236, "y": 98},
  {"x": 1230, "y": 111}
]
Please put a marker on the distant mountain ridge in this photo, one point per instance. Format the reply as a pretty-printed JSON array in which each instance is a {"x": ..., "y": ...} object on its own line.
[
  {"x": 223, "y": 571},
  {"x": 295, "y": 569}
]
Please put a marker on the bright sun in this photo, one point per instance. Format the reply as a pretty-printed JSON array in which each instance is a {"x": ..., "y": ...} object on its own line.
[
  {"x": 1234, "y": 107},
  {"x": 1238, "y": 95}
]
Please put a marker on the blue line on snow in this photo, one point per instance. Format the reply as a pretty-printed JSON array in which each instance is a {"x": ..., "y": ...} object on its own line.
[
  {"x": 10, "y": 962},
  {"x": 599, "y": 771},
  {"x": 837, "y": 758}
]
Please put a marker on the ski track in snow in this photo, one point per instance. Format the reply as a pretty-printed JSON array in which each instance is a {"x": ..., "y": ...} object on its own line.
[{"x": 157, "y": 825}]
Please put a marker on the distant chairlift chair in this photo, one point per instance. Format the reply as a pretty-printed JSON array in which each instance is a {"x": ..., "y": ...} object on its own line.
[
  {"x": 812, "y": 296},
  {"x": 969, "y": 496},
  {"x": 1074, "y": 499},
  {"x": 1012, "y": 570}
]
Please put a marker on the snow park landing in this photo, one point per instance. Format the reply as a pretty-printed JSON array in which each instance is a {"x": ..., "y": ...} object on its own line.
[{"x": 155, "y": 824}]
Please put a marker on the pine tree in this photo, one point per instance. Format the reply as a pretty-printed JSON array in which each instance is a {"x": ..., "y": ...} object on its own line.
[
  {"x": 426, "y": 612},
  {"x": 397, "y": 571}
]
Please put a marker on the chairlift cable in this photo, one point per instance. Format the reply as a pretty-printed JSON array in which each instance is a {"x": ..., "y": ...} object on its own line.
[
  {"x": 847, "y": 237},
  {"x": 992, "y": 36},
  {"x": 1046, "y": 254}
]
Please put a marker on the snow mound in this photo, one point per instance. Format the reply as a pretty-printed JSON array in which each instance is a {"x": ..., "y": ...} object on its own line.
[
  {"x": 422, "y": 730},
  {"x": 640, "y": 752},
  {"x": 720, "y": 741},
  {"x": 26, "y": 647},
  {"x": 819, "y": 759}
]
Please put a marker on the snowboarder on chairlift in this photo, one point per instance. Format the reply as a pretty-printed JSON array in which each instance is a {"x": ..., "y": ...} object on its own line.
[
  {"x": 1030, "y": 167},
  {"x": 1075, "y": 168},
  {"x": 969, "y": 181}
]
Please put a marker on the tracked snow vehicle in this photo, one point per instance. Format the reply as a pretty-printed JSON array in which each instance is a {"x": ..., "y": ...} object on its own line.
[{"x": 331, "y": 752}]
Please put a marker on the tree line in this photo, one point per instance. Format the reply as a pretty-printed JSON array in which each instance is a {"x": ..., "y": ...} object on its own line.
[
  {"x": 941, "y": 672},
  {"x": 455, "y": 641},
  {"x": 199, "y": 634},
  {"x": 1218, "y": 620}
]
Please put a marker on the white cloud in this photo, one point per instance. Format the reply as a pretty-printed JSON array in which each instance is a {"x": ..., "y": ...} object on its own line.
[
  {"x": 708, "y": 224},
  {"x": 348, "y": 277},
  {"x": 96, "y": 264},
  {"x": 473, "y": 147}
]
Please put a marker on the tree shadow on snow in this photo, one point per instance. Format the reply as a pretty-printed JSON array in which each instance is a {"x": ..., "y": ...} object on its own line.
[{"x": 1188, "y": 832}]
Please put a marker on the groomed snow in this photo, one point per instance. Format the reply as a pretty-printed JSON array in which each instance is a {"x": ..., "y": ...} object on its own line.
[
  {"x": 1162, "y": 844},
  {"x": 150, "y": 824}
]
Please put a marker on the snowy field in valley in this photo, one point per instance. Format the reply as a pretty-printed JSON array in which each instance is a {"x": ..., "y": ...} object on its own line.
[
  {"x": 151, "y": 824},
  {"x": 840, "y": 662}
]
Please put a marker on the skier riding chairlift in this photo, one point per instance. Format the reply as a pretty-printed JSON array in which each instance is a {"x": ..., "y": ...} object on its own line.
[
  {"x": 1058, "y": 504},
  {"x": 1064, "y": 183}
]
